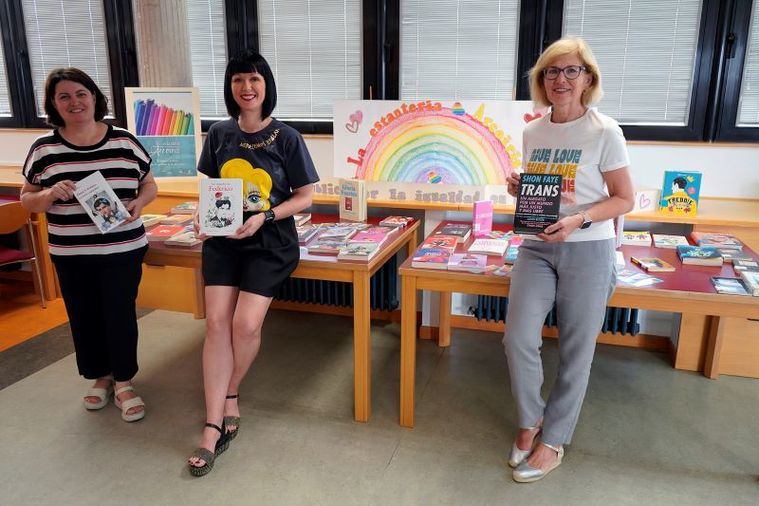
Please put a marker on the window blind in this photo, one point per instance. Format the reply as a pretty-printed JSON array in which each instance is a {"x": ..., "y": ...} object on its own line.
[
  {"x": 314, "y": 50},
  {"x": 646, "y": 50},
  {"x": 748, "y": 102},
  {"x": 458, "y": 49},
  {"x": 5, "y": 99},
  {"x": 208, "y": 51},
  {"x": 66, "y": 34}
]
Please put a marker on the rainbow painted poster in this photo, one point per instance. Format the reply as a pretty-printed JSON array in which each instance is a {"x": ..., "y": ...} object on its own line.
[
  {"x": 466, "y": 143},
  {"x": 165, "y": 120}
]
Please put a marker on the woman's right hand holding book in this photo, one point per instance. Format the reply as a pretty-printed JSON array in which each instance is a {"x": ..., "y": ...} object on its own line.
[
  {"x": 512, "y": 183},
  {"x": 62, "y": 190},
  {"x": 196, "y": 226}
]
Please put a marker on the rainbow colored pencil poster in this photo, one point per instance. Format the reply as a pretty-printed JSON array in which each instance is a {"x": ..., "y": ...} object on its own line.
[
  {"x": 469, "y": 143},
  {"x": 166, "y": 122}
]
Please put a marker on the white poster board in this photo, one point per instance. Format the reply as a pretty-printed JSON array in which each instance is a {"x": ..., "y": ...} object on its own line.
[{"x": 436, "y": 151}]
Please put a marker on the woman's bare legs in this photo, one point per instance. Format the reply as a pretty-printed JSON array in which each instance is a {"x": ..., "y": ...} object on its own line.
[
  {"x": 218, "y": 359},
  {"x": 246, "y": 341}
]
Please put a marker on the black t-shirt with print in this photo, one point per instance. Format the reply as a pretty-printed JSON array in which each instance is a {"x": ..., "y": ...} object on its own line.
[{"x": 271, "y": 162}]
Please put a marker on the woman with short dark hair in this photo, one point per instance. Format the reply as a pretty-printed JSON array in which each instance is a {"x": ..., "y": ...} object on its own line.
[
  {"x": 98, "y": 273},
  {"x": 242, "y": 272}
]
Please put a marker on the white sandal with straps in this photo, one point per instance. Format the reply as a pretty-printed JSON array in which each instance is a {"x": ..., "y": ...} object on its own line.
[
  {"x": 129, "y": 404},
  {"x": 104, "y": 394}
]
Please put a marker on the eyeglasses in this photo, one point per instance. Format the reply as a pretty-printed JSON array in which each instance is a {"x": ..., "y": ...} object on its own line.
[{"x": 570, "y": 72}]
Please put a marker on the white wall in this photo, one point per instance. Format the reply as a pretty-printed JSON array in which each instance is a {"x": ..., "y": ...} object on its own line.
[{"x": 728, "y": 171}]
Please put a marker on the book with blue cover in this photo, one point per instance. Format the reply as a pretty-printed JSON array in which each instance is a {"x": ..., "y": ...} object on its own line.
[
  {"x": 679, "y": 194},
  {"x": 699, "y": 255}
]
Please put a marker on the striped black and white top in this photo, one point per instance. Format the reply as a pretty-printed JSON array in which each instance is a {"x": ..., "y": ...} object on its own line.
[{"x": 123, "y": 162}]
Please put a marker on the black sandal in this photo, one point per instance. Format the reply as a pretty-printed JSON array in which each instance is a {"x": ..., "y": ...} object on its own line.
[
  {"x": 209, "y": 457},
  {"x": 232, "y": 420}
]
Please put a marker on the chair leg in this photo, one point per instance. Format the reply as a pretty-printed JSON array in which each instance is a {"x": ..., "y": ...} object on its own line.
[{"x": 38, "y": 281}]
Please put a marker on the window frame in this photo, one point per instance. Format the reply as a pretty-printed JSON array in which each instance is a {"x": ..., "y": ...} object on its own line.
[
  {"x": 122, "y": 57},
  {"x": 732, "y": 43},
  {"x": 697, "y": 124},
  {"x": 243, "y": 33}
]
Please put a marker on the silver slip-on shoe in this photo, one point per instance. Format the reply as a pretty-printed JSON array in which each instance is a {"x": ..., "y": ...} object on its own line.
[
  {"x": 524, "y": 473},
  {"x": 517, "y": 455}
]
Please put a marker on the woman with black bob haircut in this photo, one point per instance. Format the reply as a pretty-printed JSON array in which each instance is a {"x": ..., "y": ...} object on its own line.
[
  {"x": 101, "y": 311},
  {"x": 243, "y": 271}
]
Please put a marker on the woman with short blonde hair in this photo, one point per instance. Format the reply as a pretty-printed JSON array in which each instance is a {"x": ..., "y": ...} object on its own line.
[{"x": 571, "y": 263}]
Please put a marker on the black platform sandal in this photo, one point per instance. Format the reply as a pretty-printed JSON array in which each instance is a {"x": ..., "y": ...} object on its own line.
[
  {"x": 209, "y": 457},
  {"x": 232, "y": 420}
]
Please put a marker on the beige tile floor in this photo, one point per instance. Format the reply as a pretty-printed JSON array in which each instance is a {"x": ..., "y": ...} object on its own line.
[{"x": 648, "y": 434}]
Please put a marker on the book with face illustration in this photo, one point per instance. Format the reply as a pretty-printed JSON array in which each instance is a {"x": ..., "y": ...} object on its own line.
[
  {"x": 220, "y": 210},
  {"x": 100, "y": 202}
]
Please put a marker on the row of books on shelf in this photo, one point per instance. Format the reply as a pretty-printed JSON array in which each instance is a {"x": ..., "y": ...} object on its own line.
[
  {"x": 696, "y": 255},
  {"x": 667, "y": 241},
  {"x": 438, "y": 251},
  {"x": 351, "y": 241}
]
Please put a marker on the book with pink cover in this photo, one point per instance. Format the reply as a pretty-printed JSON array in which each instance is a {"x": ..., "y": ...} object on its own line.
[
  {"x": 482, "y": 217},
  {"x": 467, "y": 262},
  {"x": 368, "y": 236}
]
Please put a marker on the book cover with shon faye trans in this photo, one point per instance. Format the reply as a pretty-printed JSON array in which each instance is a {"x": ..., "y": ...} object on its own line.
[{"x": 538, "y": 200}]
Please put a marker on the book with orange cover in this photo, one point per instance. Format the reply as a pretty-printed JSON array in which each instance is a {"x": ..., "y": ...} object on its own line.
[{"x": 652, "y": 264}]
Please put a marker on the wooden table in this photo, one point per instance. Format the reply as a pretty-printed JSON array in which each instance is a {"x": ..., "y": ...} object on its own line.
[
  {"x": 688, "y": 291},
  {"x": 327, "y": 268}
]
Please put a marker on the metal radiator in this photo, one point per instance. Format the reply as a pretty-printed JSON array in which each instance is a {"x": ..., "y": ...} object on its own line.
[
  {"x": 618, "y": 319},
  {"x": 383, "y": 290}
]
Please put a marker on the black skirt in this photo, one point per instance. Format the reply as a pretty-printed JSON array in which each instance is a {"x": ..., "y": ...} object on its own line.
[{"x": 256, "y": 264}]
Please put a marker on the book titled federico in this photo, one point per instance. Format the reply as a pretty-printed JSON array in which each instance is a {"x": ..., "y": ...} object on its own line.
[
  {"x": 538, "y": 201},
  {"x": 220, "y": 206},
  {"x": 679, "y": 194},
  {"x": 100, "y": 202}
]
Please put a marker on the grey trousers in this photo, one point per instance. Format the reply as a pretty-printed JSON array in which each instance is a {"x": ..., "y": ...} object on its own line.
[{"x": 580, "y": 278}]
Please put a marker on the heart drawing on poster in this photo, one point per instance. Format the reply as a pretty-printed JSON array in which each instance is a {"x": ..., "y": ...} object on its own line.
[
  {"x": 644, "y": 201},
  {"x": 529, "y": 117},
  {"x": 354, "y": 121}
]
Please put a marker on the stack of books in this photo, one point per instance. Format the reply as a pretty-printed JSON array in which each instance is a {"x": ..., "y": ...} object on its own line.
[
  {"x": 730, "y": 286},
  {"x": 461, "y": 231},
  {"x": 751, "y": 280},
  {"x": 306, "y": 233},
  {"x": 435, "y": 252}
]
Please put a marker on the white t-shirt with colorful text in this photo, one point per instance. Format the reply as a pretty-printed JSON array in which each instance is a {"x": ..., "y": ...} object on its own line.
[{"x": 581, "y": 151}]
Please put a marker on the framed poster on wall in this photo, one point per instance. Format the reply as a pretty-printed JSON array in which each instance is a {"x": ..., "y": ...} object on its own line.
[{"x": 167, "y": 122}]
